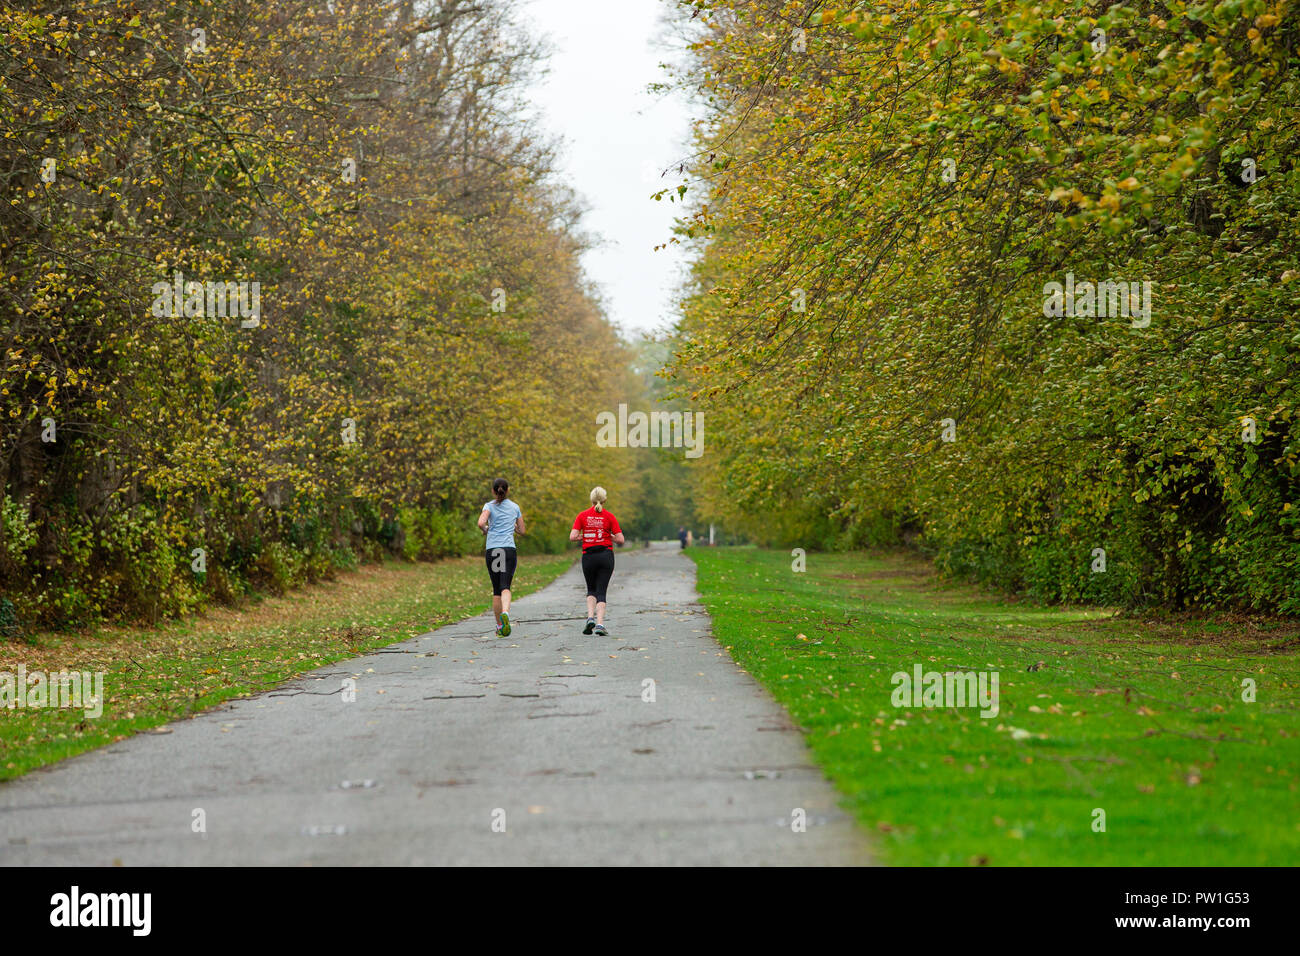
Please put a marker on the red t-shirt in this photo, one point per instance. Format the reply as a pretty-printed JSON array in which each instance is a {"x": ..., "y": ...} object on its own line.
[{"x": 597, "y": 527}]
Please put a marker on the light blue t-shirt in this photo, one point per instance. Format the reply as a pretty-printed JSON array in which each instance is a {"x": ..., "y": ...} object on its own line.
[{"x": 501, "y": 523}]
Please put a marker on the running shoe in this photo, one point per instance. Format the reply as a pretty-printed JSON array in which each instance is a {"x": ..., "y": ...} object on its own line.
[
  {"x": 591, "y": 622},
  {"x": 600, "y": 630},
  {"x": 505, "y": 623}
]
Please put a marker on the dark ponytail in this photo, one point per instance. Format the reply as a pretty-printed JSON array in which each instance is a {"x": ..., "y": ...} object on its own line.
[{"x": 500, "y": 488}]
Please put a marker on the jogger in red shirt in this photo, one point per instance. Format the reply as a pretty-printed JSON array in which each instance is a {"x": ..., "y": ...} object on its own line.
[{"x": 598, "y": 531}]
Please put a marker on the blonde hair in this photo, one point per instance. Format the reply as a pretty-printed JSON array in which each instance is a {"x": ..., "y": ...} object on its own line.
[{"x": 598, "y": 497}]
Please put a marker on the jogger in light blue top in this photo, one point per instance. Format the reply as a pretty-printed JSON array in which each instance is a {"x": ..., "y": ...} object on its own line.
[
  {"x": 502, "y": 516},
  {"x": 500, "y": 520}
]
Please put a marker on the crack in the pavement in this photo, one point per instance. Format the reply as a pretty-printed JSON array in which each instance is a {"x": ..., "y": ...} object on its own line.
[
  {"x": 551, "y": 771},
  {"x": 423, "y": 785}
]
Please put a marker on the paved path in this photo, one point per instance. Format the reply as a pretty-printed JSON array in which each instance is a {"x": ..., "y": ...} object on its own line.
[{"x": 448, "y": 728}]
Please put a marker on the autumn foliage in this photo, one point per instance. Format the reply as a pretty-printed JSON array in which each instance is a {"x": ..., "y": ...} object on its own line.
[
  {"x": 423, "y": 325},
  {"x": 885, "y": 194}
]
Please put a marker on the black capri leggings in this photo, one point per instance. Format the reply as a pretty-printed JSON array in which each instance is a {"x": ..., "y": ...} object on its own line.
[
  {"x": 501, "y": 567},
  {"x": 597, "y": 567}
]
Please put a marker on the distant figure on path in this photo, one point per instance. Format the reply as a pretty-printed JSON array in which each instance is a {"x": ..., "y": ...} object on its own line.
[
  {"x": 681, "y": 536},
  {"x": 690, "y": 538},
  {"x": 500, "y": 521},
  {"x": 599, "y": 532}
]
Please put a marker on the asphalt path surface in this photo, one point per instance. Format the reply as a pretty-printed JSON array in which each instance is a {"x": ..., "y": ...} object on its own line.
[{"x": 460, "y": 747}]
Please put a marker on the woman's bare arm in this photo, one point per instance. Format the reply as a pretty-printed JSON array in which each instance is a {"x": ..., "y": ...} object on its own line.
[
  {"x": 483, "y": 521},
  {"x": 618, "y": 538},
  {"x": 575, "y": 534},
  {"x": 519, "y": 524}
]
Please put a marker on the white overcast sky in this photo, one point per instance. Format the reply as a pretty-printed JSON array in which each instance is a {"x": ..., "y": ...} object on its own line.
[{"x": 617, "y": 138}]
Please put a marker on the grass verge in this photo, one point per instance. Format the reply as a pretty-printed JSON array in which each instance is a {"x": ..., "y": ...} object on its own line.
[
  {"x": 156, "y": 675},
  {"x": 1144, "y": 720}
]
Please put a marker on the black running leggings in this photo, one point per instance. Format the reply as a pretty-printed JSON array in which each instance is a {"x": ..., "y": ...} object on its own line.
[
  {"x": 501, "y": 568},
  {"x": 597, "y": 567}
]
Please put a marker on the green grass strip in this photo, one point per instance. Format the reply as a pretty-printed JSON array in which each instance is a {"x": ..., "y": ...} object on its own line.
[{"x": 1143, "y": 719}]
